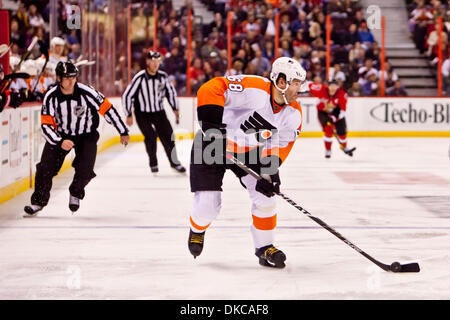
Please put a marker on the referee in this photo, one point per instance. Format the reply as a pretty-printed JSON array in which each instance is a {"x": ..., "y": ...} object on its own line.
[
  {"x": 146, "y": 94},
  {"x": 69, "y": 120}
]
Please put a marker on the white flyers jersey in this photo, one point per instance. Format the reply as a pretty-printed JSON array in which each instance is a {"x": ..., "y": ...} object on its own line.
[{"x": 252, "y": 119}]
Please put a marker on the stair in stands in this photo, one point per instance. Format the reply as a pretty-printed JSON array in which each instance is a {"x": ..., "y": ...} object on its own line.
[{"x": 414, "y": 70}]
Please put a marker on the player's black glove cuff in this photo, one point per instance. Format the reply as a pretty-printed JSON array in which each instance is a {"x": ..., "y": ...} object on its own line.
[
  {"x": 16, "y": 100},
  {"x": 269, "y": 185},
  {"x": 214, "y": 130}
]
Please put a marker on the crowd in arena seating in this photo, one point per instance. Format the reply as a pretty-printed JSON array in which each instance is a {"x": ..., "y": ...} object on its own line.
[
  {"x": 355, "y": 54},
  {"x": 31, "y": 20},
  {"x": 424, "y": 29}
]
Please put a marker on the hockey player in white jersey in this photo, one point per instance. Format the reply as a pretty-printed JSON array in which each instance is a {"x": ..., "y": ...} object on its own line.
[{"x": 258, "y": 121}]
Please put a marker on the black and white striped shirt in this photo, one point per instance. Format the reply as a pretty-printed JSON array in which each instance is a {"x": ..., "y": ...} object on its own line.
[
  {"x": 147, "y": 92},
  {"x": 76, "y": 114}
]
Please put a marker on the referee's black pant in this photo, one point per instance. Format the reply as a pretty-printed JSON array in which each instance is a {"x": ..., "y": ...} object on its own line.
[
  {"x": 52, "y": 160},
  {"x": 153, "y": 125}
]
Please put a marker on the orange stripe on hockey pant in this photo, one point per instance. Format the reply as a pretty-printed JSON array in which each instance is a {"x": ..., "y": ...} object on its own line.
[
  {"x": 196, "y": 226},
  {"x": 235, "y": 148},
  {"x": 281, "y": 153},
  {"x": 45, "y": 119},
  {"x": 265, "y": 223},
  {"x": 104, "y": 107}
]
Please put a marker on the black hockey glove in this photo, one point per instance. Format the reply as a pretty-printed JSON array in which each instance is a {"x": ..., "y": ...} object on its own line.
[
  {"x": 269, "y": 185},
  {"x": 334, "y": 115},
  {"x": 16, "y": 100}
]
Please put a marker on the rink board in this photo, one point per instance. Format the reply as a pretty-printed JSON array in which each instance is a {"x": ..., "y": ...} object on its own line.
[{"x": 22, "y": 141}]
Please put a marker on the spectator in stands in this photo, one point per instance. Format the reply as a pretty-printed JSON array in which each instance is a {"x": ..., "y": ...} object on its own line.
[
  {"x": 251, "y": 25},
  {"x": 373, "y": 53},
  {"x": 284, "y": 7},
  {"x": 398, "y": 90},
  {"x": 75, "y": 51},
  {"x": 139, "y": 26},
  {"x": 285, "y": 24},
  {"x": 352, "y": 36},
  {"x": 299, "y": 39},
  {"x": 268, "y": 50},
  {"x": 433, "y": 39},
  {"x": 446, "y": 76},
  {"x": 420, "y": 17},
  {"x": 298, "y": 57},
  {"x": 237, "y": 68},
  {"x": 22, "y": 16},
  {"x": 301, "y": 23},
  {"x": 314, "y": 31},
  {"x": 262, "y": 64},
  {"x": 165, "y": 39},
  {"x": 34, "y": 17},
  {"x": 359, "y": 18},
  {"x": 355, "y": 90},
  {"x": 390, "y": 77},
  {"x": 15, "y": 50},
  {"x": 219, "y": 24},
  {"x": 285, "y": 48},
  {"x": 216, "y": 62},
  {"x": 365, "y": 36},
  {"x": 209, "y": 72},
  {"x": 268, "y": 24},
  {"x": 370, "y": 85},
  {"x": 72, "y": 38},
  {"x": 196, "y": 74},
  {"x": 335, "y": 74},
  {"x": 15, "y": 33},
  {"x": 242, "y": 55},
  {"x": 175, "y": 66},
  {"x": 365, "y": 72},
  {"x": 209, "y": 47}
]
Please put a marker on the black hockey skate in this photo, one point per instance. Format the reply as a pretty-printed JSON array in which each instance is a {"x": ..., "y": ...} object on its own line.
[
  {"x": 195, "y": 243},
  {"x": 32, "y": 210},
  {"x": 348, "y": 151},
  {"x": 154, "y": 169},
  {"x": 74, "y": 204},
  {"x": 179, "y": 168},
  {"x": 269, "y": 256}
]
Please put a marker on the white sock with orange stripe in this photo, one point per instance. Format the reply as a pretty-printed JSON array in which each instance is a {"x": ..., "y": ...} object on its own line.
[
  {"x": 262, "y": 238},
  {"x": 206, "y": 207}
]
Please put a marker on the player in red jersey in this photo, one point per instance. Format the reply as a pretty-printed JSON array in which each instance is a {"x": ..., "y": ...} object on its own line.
[{"x": 331, "y": 113}]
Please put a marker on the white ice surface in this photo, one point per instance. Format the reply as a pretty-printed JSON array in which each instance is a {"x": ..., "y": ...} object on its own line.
[{"x": 129, "y": 238}]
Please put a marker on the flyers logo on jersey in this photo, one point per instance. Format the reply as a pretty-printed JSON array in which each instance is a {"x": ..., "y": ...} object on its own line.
[{"x": 259, "y": 126}]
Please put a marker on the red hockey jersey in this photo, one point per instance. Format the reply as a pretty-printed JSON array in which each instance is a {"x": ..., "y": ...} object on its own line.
[{"x": 327, "y": 103}]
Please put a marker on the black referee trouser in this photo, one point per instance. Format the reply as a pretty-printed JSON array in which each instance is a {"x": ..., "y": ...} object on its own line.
[
  {"x": 153, "y": 125},
  {"x": 53, "y": 158}
]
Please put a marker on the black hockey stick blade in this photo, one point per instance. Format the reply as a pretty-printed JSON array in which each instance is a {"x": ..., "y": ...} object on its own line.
[{"x": 409, "y": 267}]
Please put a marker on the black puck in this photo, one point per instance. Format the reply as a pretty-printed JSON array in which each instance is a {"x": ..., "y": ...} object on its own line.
[{"x": 396, "y": 267}]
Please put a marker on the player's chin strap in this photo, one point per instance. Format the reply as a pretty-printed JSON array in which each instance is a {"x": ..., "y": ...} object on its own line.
[{"x": 283, "y": 91}]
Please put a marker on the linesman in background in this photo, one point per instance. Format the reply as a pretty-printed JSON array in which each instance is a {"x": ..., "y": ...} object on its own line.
[
  {"x": 146, "y": 94},
  {"x": 69, "y": 120}
]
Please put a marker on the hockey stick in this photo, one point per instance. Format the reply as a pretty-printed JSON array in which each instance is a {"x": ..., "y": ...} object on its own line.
[
  {"x": 44, "y": 51},
  {"x": 394, "y": 267},
  {"x": 350, "y": 152},
  {"x": 5, "y": 85}
]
